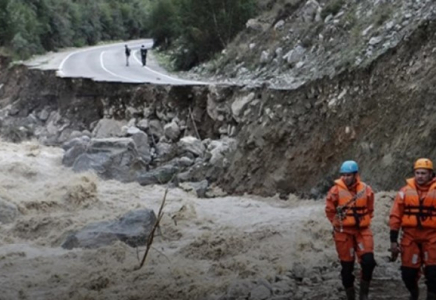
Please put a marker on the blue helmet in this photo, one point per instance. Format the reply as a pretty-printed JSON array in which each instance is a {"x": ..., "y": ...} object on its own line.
[{"x": 349, "y": 166}]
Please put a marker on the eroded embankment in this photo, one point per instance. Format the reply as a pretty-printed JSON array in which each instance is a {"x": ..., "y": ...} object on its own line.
[{"x": 288, "y": 140}]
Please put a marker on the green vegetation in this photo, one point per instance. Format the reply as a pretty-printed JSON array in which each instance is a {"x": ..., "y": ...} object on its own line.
[
  {"x": 197, "y": 29},
  {"x": 332, "y": 8},
  {"x": 193, "y": 29},
  {"x": 34, "y": 26}
]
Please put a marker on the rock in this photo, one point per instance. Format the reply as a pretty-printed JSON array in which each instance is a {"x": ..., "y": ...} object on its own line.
[
  {"x": 299, "y": 64},
  {"x": 8, "y": 212},
  {"x": 111, "y": 158},
  {"x": 133, "y": 229},
  {"x": 295, "y": 55},
  {"x": 219, "y": 149},
  {"x": 264, "y": 57},
  {"x": 279, "y": 25},
  {"x": 217, "y": 108},
  {"x": 44, "y": 114},
  {"x": 65, "y": 135},
  {"x": 254, "y": 25},
  {"x": 365, "y": 31},
  {"x": 74, "y": 148},
  {"x": 184, "y": 176},
  {"x": 86, "y": 133},
  {"x": 239, "y": 104},
  {"x": 251, "y": 46},
  {"x": 328, "y": 18},
  {"x": 75, "y": 134},
  {"x": 309, "y": 11},
  {"x": 185, "y": 162},
  {"x": 172, "y": 131},
  {"x": 200, "y": 188},
  {"x": 131, "y": 123},
  {"x": 375, "y": 40},
  {"x": 147, "y": 112},
  {"x": 132, "y": 130},
  {"x": 142, "y": 145},
  {"x": 143, "y": 124},
  {"x": 107, "y": 128},
  {"x": 132, "y": 112},
  {"x": 72, "y": 142},
  {"x": 192, "y": 145},
  {"x": 318, "y": 17},
  {"x": 155, "y": 128},
  {"x": 214, "y": 192},
  {"x": 260, "y": 292},
  {"x": 160, "y": 175},
  {"x": 165, "y": 151},
  {"x": 390, "y": 25}
]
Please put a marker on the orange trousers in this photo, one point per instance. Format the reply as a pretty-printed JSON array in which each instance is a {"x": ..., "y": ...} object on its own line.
[
  {"x": 353, "y": 242},
  {"x": 418, "y": 247}
]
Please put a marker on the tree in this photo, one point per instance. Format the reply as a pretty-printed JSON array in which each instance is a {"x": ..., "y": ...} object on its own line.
[
  {"x": 207, "y": 26},
  {"x": 32, "y": 26},
  {"x": 163, "y": 22}
]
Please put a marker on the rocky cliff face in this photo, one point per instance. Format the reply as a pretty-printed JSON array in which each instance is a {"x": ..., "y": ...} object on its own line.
[{"x": 288, "y": 141}]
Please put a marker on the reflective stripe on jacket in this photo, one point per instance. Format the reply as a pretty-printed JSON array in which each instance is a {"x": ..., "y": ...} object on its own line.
[{"x": 419, "y": 212}]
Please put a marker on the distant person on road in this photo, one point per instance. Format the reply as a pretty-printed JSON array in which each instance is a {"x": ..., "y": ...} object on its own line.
[
  {"x": 349, "y": 208},
  {"x": 143, "y": 55},
  {"x": 414, "y": 211},
  {"x": 127, "y": 51}
]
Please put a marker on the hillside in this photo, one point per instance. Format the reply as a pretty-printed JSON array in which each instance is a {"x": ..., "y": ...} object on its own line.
[{"x": 295, "y": 41}]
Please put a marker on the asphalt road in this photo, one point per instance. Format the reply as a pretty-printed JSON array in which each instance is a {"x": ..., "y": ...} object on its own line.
[{"x": 108, "y": 63}]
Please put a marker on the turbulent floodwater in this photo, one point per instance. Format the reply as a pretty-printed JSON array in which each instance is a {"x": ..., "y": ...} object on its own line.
[{"x": 205, "y": 246}]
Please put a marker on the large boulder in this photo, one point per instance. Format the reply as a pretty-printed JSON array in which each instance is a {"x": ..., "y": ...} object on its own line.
[
  {"x": 73, "y": 149},
  {"x": 192, "y": 145},
  {"x": 108, "y": 128},
  {"x": 133, "y": 229},
  {"x": 111, "y": 158}
]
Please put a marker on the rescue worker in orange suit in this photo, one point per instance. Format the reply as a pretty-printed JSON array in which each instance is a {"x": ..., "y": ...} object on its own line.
[
  {"x": 350, "y": 207},
  {"x": 414, "y": 211}
]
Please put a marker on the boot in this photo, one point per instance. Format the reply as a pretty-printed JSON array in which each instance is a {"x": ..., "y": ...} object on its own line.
[
  {"x": 351, "y": 295},
  {"x": 364, "y": 290},
  {"x": 414, "y": 294},
  {"x": 430, "y": 296}
]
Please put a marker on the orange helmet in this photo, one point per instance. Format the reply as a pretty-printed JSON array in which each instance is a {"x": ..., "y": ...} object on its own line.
[{"x": 423, "y": 163}]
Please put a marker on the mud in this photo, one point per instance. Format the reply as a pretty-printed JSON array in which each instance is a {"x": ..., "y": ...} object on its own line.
[{"x": 207, "y": 247}]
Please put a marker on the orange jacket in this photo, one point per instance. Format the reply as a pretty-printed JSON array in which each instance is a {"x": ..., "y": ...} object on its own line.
[
  {"x": 362, "y": 209},
  {"x": 414, "y": 206}
]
